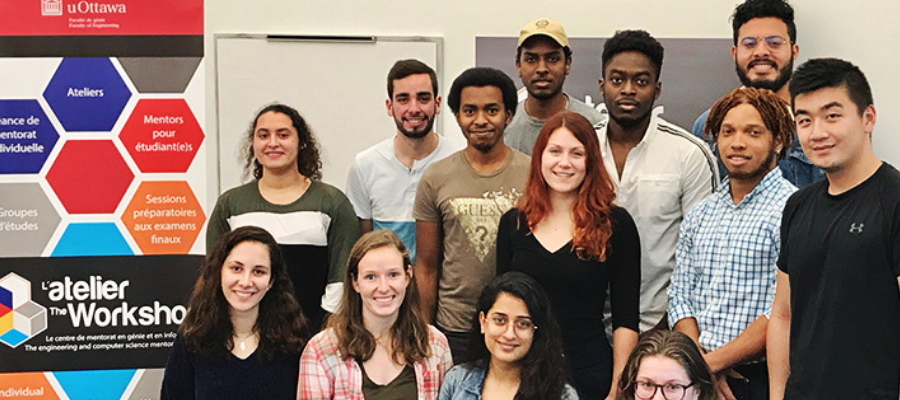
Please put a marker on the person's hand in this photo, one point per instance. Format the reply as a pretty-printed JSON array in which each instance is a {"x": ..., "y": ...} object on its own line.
[{"x": 722, "y": 388}]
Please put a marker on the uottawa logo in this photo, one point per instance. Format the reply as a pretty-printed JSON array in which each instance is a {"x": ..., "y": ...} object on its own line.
[
  {"x": 20, "y": 318},
  {"x": 51, "y": 7}
]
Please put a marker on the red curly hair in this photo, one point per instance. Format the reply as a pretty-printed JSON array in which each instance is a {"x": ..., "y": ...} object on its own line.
[{"x": 591, "y": 213}]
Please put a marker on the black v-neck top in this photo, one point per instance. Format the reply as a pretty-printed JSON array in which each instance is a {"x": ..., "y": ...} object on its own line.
[{"x": 577, "y": 288}]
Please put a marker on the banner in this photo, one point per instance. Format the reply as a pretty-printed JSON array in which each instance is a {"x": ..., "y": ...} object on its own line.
[{"x": 102, "y": 192}]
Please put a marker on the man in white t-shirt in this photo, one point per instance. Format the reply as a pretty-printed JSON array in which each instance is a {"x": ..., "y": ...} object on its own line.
[{"x": 383, "y": 178}]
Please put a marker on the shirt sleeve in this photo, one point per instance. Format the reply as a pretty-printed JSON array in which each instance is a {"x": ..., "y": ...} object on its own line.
[
  {"x": 425, "y": 208},
  {"x": 358, "y": 192},
  {"x": 451, "y": 382},
  {"x": 342, "y": 235},
  {"x": 315, "y": 381},
  {"x": 178, "y": 379},
  {"x": 700, "y": 177},
  {"x": 699, "y": 124},
  {"x": 505, "y": 232},
  {"x": 785, "y": 248},
  {"x": 218, "y": 223},
  {"x": 685, "y": 276},
  {"x": 625, "y": 285}
]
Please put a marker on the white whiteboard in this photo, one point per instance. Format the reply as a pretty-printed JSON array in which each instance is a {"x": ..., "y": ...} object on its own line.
[{"x": 339, "y": 85}]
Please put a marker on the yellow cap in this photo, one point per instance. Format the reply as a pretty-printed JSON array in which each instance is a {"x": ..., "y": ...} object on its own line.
[{"x": 546, "y": 27}]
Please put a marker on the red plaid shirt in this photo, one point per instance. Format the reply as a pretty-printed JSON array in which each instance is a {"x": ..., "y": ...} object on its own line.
[{"x": 324, "y": 374}]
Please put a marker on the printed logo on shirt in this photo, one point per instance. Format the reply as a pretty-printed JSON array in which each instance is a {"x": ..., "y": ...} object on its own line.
[
  {"x": 857, "y": 228},
  {"x": 480, "y": 217}
]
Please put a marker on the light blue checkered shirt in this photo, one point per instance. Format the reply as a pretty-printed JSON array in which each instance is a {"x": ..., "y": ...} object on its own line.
[{"x": 725, "y": 268}]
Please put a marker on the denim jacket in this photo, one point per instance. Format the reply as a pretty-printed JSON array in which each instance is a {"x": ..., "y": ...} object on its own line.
[
  {"x": 464, "y": 382},
  {"x": 795, "y": 167}
]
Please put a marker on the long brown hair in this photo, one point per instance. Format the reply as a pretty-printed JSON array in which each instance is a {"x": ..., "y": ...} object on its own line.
[
  {"x": 207, "y": 327},
  {"x": 591, "y": 212},
  {"x": 409, "y": 332},
  {"x": 674, "y": 345}
]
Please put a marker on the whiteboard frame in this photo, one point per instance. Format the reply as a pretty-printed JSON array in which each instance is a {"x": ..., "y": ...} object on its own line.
[{"x": 374, "y": 39}]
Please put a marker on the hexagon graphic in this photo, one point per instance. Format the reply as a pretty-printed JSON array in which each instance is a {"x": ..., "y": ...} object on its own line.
[
  {"x": 24, "y": 318},
  {"x": 27, "y": 385},
  {"x": 164, "y": 217},
  {"x": 26, "y": 137},
  {"x": 27, "y": 220},
  {"x": 87, "y": 94},
  {"x": 91, "y": 239},
  {"x": 162, "y": 135},
  {"x": 160, "y": 74},
  {"x": 89, "y": 176}
]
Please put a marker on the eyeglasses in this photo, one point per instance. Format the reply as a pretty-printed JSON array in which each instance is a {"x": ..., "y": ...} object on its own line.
[
  {"x": 671, "y": 391},
  {"x": 522, "y": 326},
  {"x": 773, "y": 42}
]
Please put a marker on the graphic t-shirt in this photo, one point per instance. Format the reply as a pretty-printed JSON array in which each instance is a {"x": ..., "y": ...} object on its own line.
[{"x": 468, "y": 205}]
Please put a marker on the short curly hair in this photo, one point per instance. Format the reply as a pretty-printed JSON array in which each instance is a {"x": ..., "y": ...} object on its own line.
[
  {"x": 633, "y": 40},
  {"x": 309, "y": 161},
  {"x": 772, "y": 109}
]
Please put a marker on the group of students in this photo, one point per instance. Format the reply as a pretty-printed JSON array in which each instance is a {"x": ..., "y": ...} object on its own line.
[
  {"x": 513, "y": 257},
  {"x": 244, "y": 332}
]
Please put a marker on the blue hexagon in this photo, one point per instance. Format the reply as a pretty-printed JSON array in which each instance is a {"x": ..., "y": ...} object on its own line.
[
  {"x": 26, "y": 137},
  {"x": 87, "y": 94}
]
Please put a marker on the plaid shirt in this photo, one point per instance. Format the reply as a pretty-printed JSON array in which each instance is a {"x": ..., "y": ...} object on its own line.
[
  {"x": 725, "y": 260},
  {"x": 324, "y": 374}
]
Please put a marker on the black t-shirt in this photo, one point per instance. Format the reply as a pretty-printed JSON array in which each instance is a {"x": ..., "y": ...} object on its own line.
[
  {"x": 842, "y": 254},
  {"x": 576, "y": 287}
]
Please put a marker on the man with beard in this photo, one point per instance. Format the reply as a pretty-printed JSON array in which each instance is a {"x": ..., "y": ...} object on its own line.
[
  {"x": 764, "y": 50},
  {"x": 383, "y": 178},
  {"x": 543, "y": 59},
  {"x": 724, "y": 280},
  {"x": 659, "y": 170},
  {"x": 459, "y": 203}
]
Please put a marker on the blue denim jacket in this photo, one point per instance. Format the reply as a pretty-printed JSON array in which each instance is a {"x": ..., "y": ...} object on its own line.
[
  {"x": 464, "y": 382},
  {"x": 795, "y": 167}
]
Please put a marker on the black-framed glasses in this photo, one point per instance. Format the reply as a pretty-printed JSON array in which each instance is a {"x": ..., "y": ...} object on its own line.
[
  {"x": 773, "y": 42},
  {"x": 645, "y": 390}
]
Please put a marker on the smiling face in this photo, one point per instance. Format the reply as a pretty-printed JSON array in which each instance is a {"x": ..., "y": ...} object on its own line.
[
  {"x": 834, "y": 134},
  {"x": 760, "y": 62},
  {"x": 246, "y": 276},
  {"x": 482, "y": 116},
  {"x": 507, "y": 328},
  {"x": 746, "y": 147},
  {"x": 661, "y": 370},
  {"x": 543, "y": 67},
  {"x": 563, "y": 162},
  {"x": 276, "y": 142},
  {"x": 629, "y": 88},
  {"x": 381, "y": 283},
  {"x": 414, "y": 106}
]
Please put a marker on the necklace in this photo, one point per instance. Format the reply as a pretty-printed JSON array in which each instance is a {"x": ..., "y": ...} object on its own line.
[{"x": 244, "y": 347}]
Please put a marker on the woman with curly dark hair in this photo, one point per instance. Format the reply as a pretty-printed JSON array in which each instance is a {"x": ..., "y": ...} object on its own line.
[
  {"x": 568, "y": 234},
  {"x": 312, "y": 221},
  {"x": 515, "y": 345},
  {"x": 378, "y": 344},
  {"x": 244, "y": 331},
  {"x": 668, "y": 365}
]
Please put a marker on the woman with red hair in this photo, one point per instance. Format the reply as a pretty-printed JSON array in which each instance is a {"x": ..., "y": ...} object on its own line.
[{"x": 568, "y": 235}]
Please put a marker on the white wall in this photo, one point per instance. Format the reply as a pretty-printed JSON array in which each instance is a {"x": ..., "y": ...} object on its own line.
[{"x": 865, "y": 32}]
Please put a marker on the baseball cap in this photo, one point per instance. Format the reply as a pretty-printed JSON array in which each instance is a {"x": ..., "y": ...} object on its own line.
[{"x": 546, "y": 27}]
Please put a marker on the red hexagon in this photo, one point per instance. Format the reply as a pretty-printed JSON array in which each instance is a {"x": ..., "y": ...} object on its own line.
[
  {"x": 90, "y": 177},
  {"x": 162, "y": 135}
]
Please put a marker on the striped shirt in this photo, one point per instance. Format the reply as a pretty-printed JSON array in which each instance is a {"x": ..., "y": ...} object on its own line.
[
  {"x": 726, "y": 254},
  {"x": 325, "y": 374}
]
